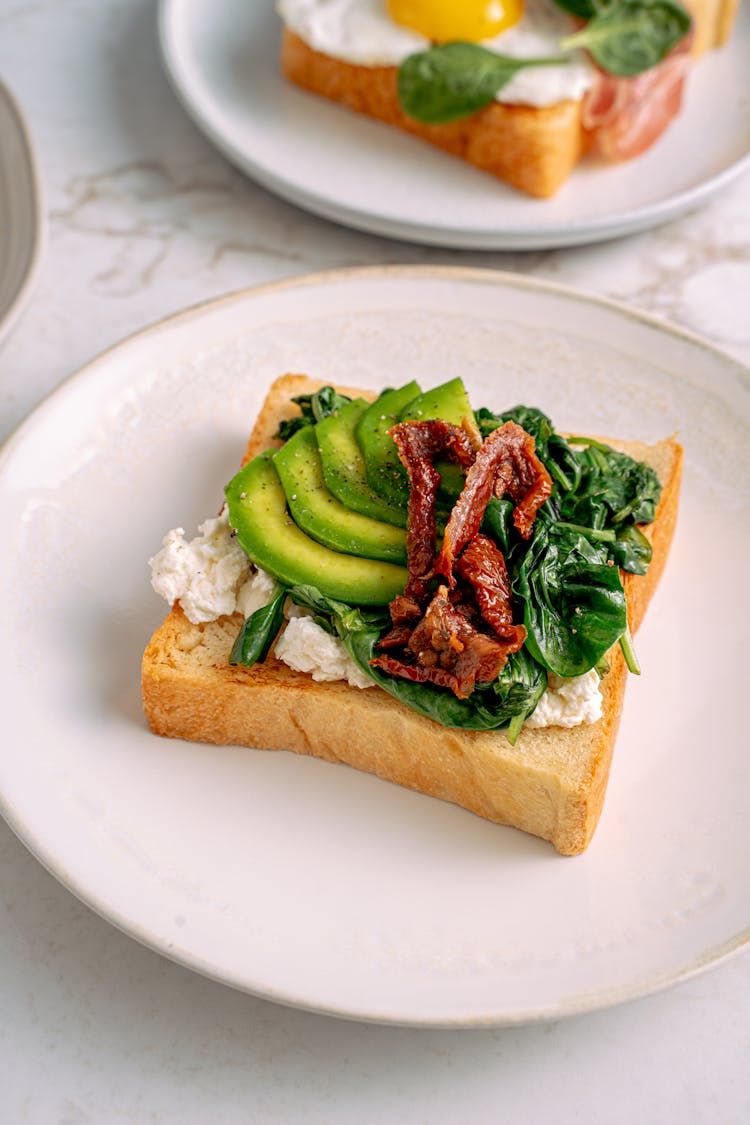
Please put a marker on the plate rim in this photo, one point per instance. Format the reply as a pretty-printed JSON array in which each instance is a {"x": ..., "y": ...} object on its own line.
[
  {"x": 578, "y": 232},
  {"x": 734, "y": 945},
  {"x": 13, "y": 311}
]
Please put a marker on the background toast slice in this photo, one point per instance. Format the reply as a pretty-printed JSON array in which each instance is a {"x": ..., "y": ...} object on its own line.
[
  {"x": 531, "y": 148},
  {"x": 551, "y": 783}
]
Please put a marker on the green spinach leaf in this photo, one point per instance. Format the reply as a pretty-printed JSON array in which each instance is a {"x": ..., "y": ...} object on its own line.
[
  {"x": 574, "y": 603},
  {"x": 315, "y": 407},
  {"x": 631, "y": 550},
  {"x": 454, "y": 80},
  {"x": 259, "y": 632},
  {"x": 626, "y": 37},
  {"x": 614, "y": 490},
  {"x": 581, "y": 9}
]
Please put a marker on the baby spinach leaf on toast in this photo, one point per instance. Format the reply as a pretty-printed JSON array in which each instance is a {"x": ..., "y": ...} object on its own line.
[
  {"x": 315, "y": 407},
  {"x": 628, "y": 37},
  {"x": 454, "y": 80},
  {"x": 256, "y": 636},
  {"x": 574, "y": 603}
]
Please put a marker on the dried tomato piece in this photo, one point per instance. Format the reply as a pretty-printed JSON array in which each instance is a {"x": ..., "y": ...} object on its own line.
[
  {"x": 481, "y": 662},
  {"x": 505, "y": 463},
  {"x": 482, "y": 565},
  {"x": 466, "y": 633},
  {"x": 442, "y": 629},
  {"x": 397, "y": 637},
  {"x": 418, "y": 673},
  {"x": 419, "y": 444},
  {"x": 446, "y": 649}
]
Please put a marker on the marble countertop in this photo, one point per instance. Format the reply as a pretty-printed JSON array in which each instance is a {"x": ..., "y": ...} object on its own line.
[{"x": 145, "y": 218}]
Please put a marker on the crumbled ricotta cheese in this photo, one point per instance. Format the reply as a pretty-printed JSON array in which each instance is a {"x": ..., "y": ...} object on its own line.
[
  {"x": 205, "y": 574},
  {"x": 568, "y": 702},
  {"x": 257, "y": 591},
  {"x": 306, "y": 647}
]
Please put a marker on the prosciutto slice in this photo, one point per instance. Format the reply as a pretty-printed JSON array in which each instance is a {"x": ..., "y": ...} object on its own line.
[{"x": 626, "y": 115}]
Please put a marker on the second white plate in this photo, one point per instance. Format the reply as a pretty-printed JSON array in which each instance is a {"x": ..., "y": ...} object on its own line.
[
  {"x": 222, "y": 57},
  {"x": 21, "y": 217}
]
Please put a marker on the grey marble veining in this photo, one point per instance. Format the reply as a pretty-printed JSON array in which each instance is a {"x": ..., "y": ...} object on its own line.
[{"x": 145, "y": 218}]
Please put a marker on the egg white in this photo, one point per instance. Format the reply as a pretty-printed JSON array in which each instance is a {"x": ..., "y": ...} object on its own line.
[{"x": 362, "y": 32}]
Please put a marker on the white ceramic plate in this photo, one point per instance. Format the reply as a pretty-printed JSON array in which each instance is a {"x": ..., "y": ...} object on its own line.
[
  {"x": 21, "y": 222},
  {"x": 222, "y": 56},
  {"x": 310, "y": 883}
]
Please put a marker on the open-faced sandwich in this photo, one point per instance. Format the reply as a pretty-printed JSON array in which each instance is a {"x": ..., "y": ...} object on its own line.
[
  {"x": 519, "y": 88},
  {"x": 445, "y": 598}
]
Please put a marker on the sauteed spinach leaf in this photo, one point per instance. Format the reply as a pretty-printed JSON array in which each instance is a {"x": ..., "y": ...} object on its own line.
[
  {"x": 315, "y": 407},
  {"x": 259, "y": 632},
  {"x": 573, "y": 601}
]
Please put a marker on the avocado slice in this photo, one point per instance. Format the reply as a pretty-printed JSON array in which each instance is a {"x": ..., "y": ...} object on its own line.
[
  {"x": 449, "y": 402},
  {"x": 321, "y": 515},
  {"x": 385, "y": 473},
  {"x": 271, "y": 538},
  {"x": 344, "y": 465}
]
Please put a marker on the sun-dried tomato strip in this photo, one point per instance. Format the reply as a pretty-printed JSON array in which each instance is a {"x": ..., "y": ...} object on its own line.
[
  {"x": 397, "y": 637},
  {"x": 446, "y": 649},
  {"x": 418, "y": 444},
  {"x": 505, "y": 463},
  {"x": 482, "y": 565},
  {"x": 481, "y": 662},
  {"x": 442, "y": 629},
  {"x": 417, "y": 673}
]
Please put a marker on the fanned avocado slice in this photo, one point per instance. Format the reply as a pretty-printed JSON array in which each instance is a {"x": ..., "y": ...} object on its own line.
[
  {"x": 450, "y": 403},
  {"x": 385, "y": 473},
  {"x": 272, "y": 540},
  {"x": 344, "y": 466},
  {"x": 321, "y": 515}
]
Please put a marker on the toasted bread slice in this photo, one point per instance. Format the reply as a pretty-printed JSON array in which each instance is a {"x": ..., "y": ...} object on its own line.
[
  {"x": 531, "y": 148},
  {"x": 551, "y": 783},
  {"x": 534, "y": 150},
  {"x": 713, "y": 21}
]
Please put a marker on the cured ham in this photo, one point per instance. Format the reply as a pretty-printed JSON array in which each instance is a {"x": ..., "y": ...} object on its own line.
[{"x": 626, "y": 115}]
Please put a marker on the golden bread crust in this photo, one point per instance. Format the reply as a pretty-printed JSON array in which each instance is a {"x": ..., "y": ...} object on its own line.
[
  {"x": 550, "y": 784},
  {"x": 534, "y": 150}
]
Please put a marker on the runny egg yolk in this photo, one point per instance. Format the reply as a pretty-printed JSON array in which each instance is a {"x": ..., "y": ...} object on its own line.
[{"x": 444, "y": 20}]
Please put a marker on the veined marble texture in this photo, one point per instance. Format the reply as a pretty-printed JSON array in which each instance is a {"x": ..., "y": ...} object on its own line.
[{"x": 146, "y": 218}]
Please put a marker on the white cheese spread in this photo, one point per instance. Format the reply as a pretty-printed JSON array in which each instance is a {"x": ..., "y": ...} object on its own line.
[
  {"x": 306, "y": 647},
  {"x": 206, "y": 575},
  {"x": 363, "y": 33},
  {"x": 569, "y": 702}
]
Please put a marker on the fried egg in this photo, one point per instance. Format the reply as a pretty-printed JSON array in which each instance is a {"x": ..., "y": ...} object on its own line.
[{"x": 385, "y": 32}]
